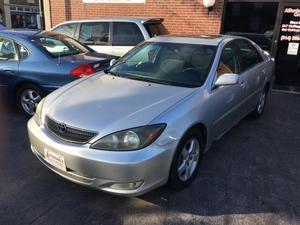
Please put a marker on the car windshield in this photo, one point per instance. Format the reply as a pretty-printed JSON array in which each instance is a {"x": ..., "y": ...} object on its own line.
[
  {"x": 185, "y": 65},
  {"x": 59, "y": 45}
]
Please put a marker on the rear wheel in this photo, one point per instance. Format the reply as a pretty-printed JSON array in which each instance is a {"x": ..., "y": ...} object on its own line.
[
  {"x": 186, "y": 161},
  {"x": 28, "y": 97},
  {"x": 261, "y": 104}
]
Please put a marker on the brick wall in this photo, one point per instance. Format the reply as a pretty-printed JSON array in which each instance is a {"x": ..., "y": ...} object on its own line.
[{"x": 181, "y": 16}]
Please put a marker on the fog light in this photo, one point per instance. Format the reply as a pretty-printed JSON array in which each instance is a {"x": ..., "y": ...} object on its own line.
[{"x": 126, "y": 186}]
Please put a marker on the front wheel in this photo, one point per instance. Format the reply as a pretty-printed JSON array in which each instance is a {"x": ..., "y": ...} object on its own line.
[{"x": 186, "y": 161}]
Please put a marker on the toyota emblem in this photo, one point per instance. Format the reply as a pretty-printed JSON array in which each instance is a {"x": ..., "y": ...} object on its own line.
[{"x": 62, "y": 128}]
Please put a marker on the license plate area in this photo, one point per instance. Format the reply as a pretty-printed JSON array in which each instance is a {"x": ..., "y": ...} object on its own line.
[{"x": 55, "y": 159}]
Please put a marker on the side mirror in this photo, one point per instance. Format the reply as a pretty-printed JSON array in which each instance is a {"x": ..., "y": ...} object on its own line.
[
  {"x": 112, "y": 62},
  {"x": 227, "y": 79}
]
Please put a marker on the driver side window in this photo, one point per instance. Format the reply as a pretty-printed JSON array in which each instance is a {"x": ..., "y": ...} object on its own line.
[{"x": 229, "y": 61}]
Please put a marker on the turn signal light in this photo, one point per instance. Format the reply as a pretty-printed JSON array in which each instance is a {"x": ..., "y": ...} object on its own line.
[{"x": 82, "y": 70}]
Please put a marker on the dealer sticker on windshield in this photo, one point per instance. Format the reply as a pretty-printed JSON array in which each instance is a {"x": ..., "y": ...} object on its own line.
[{"x": 55, "y": 160}]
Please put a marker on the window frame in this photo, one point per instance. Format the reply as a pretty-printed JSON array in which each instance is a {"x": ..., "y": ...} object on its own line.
[
  {"x": 257, "y": 52},
  {"x": 16, "y": 50},
  {"x": 77, "y": 37},
  {"x": 213, "y": 87},
  {"x": 226, "y": 45},
  {"x": 112, "y": 33}
]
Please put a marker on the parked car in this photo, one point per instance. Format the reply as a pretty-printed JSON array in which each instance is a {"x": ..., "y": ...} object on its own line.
[
  {"x": 34, "y": 63},
  {"x": 115, "y": 35},
  {"x": 150, "y": 118}
]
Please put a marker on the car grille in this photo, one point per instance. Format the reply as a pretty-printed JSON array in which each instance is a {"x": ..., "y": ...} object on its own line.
[{"x": 68, "y": 133}]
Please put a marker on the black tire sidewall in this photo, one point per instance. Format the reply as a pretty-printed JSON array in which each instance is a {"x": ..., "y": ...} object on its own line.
[{"x": 174, "y": 181}]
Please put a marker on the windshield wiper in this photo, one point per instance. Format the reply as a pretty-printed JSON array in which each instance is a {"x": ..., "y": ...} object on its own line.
[
  {"x": 147, "y": 79},
  {"x": 106, "y": 71}
]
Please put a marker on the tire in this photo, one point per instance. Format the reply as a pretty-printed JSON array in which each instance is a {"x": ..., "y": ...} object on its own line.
[
  {"x": 261, "y": 104},
  {"x": 178, "y": 178},
  {"x": 27, "y": 99}
]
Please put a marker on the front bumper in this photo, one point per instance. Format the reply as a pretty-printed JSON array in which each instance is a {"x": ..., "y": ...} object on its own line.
[{"x": 104, "y": 170}]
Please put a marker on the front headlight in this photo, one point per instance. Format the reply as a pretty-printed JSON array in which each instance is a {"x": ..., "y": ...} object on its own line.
[
  {"x": 131, "y": 139},
  {"x": 38, "y": 112}
]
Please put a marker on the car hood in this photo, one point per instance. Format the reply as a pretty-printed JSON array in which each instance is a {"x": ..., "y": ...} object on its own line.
[{"x": 106, "y": 103}]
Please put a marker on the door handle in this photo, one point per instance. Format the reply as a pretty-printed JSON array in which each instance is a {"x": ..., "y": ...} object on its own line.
[
  {"x": 243, "y": 84},
  {"x": 8, "y": 70}
]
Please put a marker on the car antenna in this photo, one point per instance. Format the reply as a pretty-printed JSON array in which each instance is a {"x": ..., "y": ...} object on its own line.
[{"x": 59, "y": 60}]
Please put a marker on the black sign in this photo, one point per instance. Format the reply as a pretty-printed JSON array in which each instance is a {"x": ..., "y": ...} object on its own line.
[
  {"x": 288, "y": 56},
  {"x": 290, "y": 30}
]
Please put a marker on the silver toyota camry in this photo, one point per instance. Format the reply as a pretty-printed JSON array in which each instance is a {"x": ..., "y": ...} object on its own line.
[{"x": 147, "y": 120}]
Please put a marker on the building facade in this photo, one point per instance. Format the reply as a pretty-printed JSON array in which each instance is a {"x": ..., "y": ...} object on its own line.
[
  {"x": 2, "y": 12},
  {"x": 273, "y": 24},
  {"x": 181, "y": 16},
  {"x": 20, "y": 13}
]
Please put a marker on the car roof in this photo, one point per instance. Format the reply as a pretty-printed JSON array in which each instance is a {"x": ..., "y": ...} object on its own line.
[
  {"x": 192, "y": 39},
  {"x": 26, "y": 33},
  {"x": 120, "y": 19},
  {"x": 20, "y": 32}
]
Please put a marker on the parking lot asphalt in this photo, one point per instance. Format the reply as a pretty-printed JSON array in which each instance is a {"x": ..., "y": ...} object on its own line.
[{"x": 250, "y": 176}]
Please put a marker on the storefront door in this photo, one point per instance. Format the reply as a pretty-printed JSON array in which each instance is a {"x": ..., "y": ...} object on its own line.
[{"x": 288, "y": 45}]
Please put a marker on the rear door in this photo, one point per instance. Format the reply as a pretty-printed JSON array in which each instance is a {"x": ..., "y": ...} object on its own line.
[
  {"x": 125, "y": 36},
  {"x": 9, "y": 63},
  {"x": 96, "y": 35}
]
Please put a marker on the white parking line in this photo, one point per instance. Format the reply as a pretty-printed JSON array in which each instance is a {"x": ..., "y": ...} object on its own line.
[{"x": 287, "y": 92}]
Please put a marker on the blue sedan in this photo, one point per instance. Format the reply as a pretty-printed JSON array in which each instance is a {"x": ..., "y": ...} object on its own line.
[{"x": 32, "y": 64}]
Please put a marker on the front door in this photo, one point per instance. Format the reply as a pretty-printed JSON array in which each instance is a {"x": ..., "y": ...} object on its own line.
[
  {"x": 227, "y": 101},
  {"x": 288, "y": 46}
]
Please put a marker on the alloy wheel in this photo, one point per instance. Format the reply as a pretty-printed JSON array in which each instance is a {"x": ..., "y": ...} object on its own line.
[
  {"x": 189, "y": 158},
  {"x": 29, "y": 100},
  {"x": 261, "y": 102}
]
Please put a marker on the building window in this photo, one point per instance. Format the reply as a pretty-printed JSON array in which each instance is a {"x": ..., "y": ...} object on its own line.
[{"x": 254, "y": 20}]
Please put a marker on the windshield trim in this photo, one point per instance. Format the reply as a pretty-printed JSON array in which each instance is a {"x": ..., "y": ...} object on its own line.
[{"x": 123, "y": 59}]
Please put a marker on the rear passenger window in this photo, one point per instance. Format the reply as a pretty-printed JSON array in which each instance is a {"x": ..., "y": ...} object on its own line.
[
  {"x": 128, "y": 34},
  {"x": 229, "y": 61},
  {"x": 7, "y": 50},
  {"x": 249, "y": 56},
  {"x": 67, "y": 29},
  {"x": 23, "y": 52},
  {"x": 94, "y": 33}
]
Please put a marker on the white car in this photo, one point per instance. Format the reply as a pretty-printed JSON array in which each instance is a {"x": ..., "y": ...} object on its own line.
[{"x": 113, "y": 36}]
